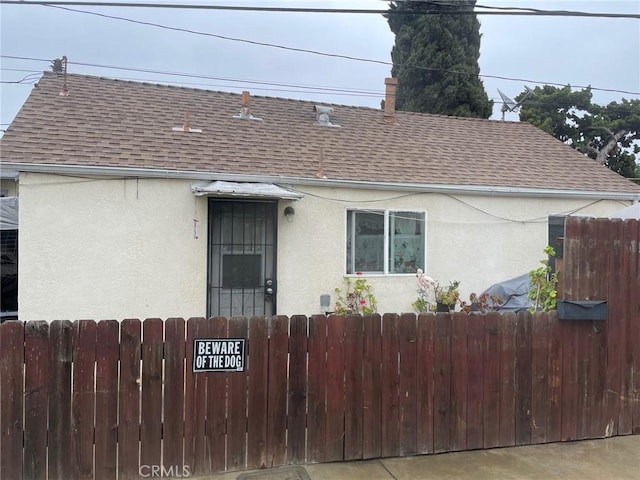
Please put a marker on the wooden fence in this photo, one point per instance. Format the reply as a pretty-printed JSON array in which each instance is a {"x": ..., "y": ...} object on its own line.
[{"x": 109, "y": 400}]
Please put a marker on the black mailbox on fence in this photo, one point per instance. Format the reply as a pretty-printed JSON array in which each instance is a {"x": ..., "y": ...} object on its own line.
[{"x": 582, "y": 309}]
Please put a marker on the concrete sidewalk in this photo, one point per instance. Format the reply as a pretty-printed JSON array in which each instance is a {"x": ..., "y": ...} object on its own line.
[{"x": 616, "y": 458}]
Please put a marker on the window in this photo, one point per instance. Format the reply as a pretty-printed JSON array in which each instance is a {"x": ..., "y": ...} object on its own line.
[{"x": 385, "y": 241}]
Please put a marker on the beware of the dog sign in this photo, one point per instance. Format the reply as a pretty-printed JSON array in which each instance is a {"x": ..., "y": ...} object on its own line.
[{"x": 218, "y": 355}]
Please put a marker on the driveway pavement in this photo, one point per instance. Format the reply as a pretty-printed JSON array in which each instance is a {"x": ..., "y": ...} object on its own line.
[{"x": 616, "y": 458}]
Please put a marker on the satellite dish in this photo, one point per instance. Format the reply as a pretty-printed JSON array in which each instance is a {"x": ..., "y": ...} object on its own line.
[{"x": 509, "y": 105}]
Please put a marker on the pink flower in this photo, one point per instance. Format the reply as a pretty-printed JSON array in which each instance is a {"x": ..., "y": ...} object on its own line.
[
  {"x": 362, "y": 302},
  {"x": 358, "y": 273}
]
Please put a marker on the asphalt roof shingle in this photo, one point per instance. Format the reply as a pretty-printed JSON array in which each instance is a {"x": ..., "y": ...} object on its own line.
[{"x": 119, "y": 123}]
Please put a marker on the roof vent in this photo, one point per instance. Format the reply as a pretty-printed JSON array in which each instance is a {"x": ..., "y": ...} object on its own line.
[
  {"x": 322, "y": 115},
  {"x": 186, "y": 126},
  {"x": 245, "y": 111}
]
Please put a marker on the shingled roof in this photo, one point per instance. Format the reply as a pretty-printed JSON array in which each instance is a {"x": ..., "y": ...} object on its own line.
[{"x": 106, "y": 122}]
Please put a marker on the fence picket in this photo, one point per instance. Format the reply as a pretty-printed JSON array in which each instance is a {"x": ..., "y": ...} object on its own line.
[
  {"x": 316, "y": 417},
  {"x": 507, "y": 379},
  {"x": 540, "y": 356},
  {"x": 277, "y": 392},
  {"x": 215, "y": 429},
  {"x": 257, "y": 393},
  {"x": 442, "y": 383},
  {"x": 491, "y": 383},
  {"x": 11, "y": 401},
  {"x": 296, "y": 445},
  {"x": 236, "y": 409},
  {"x": 424, "y": 390},
  {"x": 334, "y": 442},
  {"x": 36, "y": 358},
  {"x": 129, "y": 400},
  {"x": 108, "y": 334},
  {"x": 371, "y": 383},
  {"x": 353, "y": 397},
  {"x": 459, "y": 382},
  {"x": 151, "y": 418},
  {"x": 82, "y": 411},
  {"x": 524, "y": 354},
  {"x": 475, "y": 379},
  {"x": 389, "y": 392},
  {"x": 173, "y": 412},
  {"x": 407, "y": 409}
]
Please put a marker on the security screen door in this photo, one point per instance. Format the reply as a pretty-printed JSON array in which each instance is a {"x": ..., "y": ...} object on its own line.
[{"x": 242, "y": 276}]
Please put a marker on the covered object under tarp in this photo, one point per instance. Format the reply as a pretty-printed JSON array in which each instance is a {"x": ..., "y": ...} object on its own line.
[
  {"x": 9, "y": 257},
  {"x": 632, "y": 211},
  {"x": 514, "y": 293},
  {"x": 8, "y": 213}
]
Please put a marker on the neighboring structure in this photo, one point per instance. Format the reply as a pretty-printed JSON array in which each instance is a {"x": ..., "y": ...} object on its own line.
[{"x": 141, "y": 200}]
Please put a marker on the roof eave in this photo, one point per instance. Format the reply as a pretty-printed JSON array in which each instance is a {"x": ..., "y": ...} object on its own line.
[{"x": 100, "y": 171}]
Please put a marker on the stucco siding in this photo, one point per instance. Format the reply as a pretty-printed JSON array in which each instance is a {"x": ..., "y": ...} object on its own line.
[
  {"x": 479, "y": 240},
  {"x": 115, "y": 248},
  {"x": 110, "y": 249}
]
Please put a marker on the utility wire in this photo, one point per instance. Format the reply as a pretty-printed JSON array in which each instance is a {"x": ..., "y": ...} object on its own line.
[
  {"x": 327, "y": 54},
  {"x": 311, "y": 89},
  {"x": 453, "y": 11}
]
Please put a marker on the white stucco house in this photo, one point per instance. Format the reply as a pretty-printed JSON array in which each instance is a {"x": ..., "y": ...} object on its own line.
[{"x": 142, "y": 200}]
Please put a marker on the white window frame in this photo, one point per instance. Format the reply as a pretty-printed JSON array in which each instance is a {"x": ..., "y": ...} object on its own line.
[{"x": 387, "y": 237}]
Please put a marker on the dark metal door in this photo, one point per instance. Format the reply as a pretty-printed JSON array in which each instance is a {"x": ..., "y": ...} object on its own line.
[{"x": 242, "y": 259}]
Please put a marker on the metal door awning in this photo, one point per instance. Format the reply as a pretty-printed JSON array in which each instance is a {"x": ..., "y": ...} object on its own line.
[{"x": 245, "y": 190}]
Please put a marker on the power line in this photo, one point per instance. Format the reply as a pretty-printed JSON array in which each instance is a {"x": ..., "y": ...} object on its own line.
[
  {"x": 311, "y": 89},
  {"x": 454, "y": 10},
  {"x": 328, "y": 54}
]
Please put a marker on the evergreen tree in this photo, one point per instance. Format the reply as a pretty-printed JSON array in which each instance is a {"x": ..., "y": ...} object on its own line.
[
  {"x": 607, "y": 133},
  {"x": 427, "y": 48}
]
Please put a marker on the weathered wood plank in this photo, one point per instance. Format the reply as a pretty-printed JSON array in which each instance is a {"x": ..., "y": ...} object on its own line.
[
  {"x": 371, "y": 387},
  {"x": 442, "y": 383},
  {"x": 475, "y": 376},
  {"x": 196, "y": 451},
  {"x": 459, "y": 381},
  {"x": 316, "y": 418},
  {"x": 353, "y": 407},
  {"x": 296, "y": 423},
  {"x": 107, "y": 356},
  {"x": 390, "y": 348},
  {"x": 237, "y": 408},
  {"x": 425, "y": 388},
  {"x": 83, "y": 404},
  {"x": 257, "y": 397},
  {"x": 407, "y": 408},
  {"x": 277, "y": 392},
  {"x": 36, "y": 358},
  {"x": 524, "y": 350},
  {"x": 129, "y": 400},
  {"x": 173, "y": 411},
  {"x": 216, "y": 407},
  {"x": 151, "y": 415},
  {"x": 11, "y": 400},
  {"x": 540, "y": 389},
  {"x": 334, "y": 442},
  {"x": 491, "y": 393},
  {"x": 554, "y": 379},
  {"x": 507, "y": 376}
]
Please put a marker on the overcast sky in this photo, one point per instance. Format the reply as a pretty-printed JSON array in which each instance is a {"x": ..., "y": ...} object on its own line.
[{"x": 601, "y": 52}]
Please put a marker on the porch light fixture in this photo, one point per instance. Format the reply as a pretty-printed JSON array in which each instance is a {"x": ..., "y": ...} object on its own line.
[{"x": 289, "y": 212}]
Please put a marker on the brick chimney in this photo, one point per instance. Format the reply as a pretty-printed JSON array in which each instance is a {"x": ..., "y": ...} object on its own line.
[{"x": 390, "y": 100}]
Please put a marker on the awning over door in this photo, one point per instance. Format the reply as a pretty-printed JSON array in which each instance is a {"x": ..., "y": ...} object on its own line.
[{"x": 245, "y": 190}]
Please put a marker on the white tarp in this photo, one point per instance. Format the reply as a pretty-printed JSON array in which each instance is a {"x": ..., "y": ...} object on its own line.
[
  {"x": 629, "y": 212},
  {"x": 248, "y": 190},
  {"x": 8, "y": 213}
]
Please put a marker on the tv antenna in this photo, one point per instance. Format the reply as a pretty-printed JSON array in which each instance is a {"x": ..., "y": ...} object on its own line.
[{"x": 509, "y": 105}]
